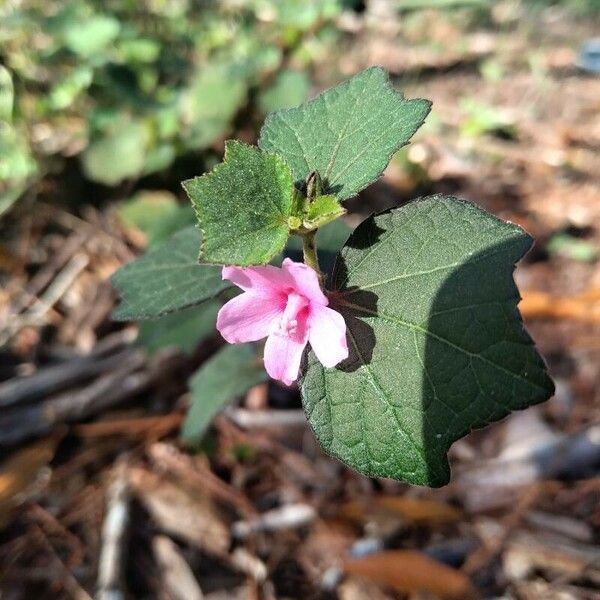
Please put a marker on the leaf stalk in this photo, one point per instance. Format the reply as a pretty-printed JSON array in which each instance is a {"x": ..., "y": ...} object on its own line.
[{"x": 309, "y": 248}]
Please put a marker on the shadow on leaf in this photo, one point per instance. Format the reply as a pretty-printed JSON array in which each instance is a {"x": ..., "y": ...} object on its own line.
[{"x": 439, "y": 350}]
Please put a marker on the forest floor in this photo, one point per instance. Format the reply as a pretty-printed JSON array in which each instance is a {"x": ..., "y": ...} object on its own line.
[{"x": 96, "y": 491}]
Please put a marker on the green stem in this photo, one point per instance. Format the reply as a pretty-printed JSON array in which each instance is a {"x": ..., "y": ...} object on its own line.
[{"x": 309, "y": 248}]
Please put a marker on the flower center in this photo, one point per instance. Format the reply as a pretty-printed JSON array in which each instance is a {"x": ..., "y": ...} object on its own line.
[{"x": 291, "y": 319}]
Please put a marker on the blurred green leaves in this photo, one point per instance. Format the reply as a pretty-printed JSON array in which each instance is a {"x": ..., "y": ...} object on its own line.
[
  {"x": 156, "y": 214},
  {"x": 16, "y": 162},
  {"x": 480, "y": 119},
  {"x": 571, "y": 247},
  {"x": 207, "y": 107},
  {"x": 133, "y": 88},
  {"x": 289, "y": 89},
  {"x": 89, "y": 36},
  {"x": 116, "y": 156},
  {"x": 7, "y": 95}
]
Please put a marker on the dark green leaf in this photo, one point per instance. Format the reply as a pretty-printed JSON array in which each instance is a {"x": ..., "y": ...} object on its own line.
[
  {"x": 243, "y": 206},
  {"x": 437, "y": 345},
  {"x": 348, "y": 134},
  {"x": 184, "y": 329},
  {"x": 167, "y": 278},
  {"x": 228, "y": 374}
]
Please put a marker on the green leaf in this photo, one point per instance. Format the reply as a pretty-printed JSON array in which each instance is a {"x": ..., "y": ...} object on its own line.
[
  {"x": 17, "y": 165},
  {"x": 573, "y": 248},
  {"x": 159, "y": 158},
  {"x": 184, "y": 329},
  {"x": 141, "y": 49},
  {"x": 437, "y": 346},
  {"x": 65, "y": 92},
  {"x": 16, "y": 161},
  {"x": 322, "y": 210},
  {"x": 289, "y": 89},
  {"x": 243, "y": 205},
  {"x": 348, "y": 134},
  {"x": 7, "y": 95},
  {"x": 228, "y": 374},
  {"x": 481, "y": 118},
  {"x": 116, "y": 156},
  {"x": 157, "y": 214},
  {"x": 89, "y": 36},
  {"x": 209, "y": 105},
  {"x": 165, "y": 279},
  {"x": 442, "y": 4}
]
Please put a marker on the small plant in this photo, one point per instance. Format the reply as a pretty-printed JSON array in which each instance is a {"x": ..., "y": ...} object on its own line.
[{"x": 415, "y": 340}]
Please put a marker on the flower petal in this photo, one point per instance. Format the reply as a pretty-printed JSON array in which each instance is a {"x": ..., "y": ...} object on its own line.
[
  {"x": 327, "y": 335},
  {"x": 283, "y": 354},
  {"x": 249, "y": 317},
  {"x": 306, "y": 281},
  {"x": 265, "y": 280}
]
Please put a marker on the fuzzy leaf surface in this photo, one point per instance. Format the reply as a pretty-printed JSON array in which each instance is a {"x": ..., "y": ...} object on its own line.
[
  {"x": 437, "y": 345},
  {"x": 243, "y": 206},
  {"x": 348, "y": 133},
  {"x": 165, "y": 279}
]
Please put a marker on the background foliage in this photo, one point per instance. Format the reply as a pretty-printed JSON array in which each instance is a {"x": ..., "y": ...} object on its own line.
[{"x": 127, "y": 87}]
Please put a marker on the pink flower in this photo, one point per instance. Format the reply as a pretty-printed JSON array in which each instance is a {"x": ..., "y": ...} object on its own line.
[{"x": 287, "y": 307}]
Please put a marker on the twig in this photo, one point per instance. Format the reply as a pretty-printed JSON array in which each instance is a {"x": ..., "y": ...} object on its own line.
[
  {"x": 110, "y": 389},
  {"x": 69, "y": 582},
  {"x": 484, "y": 554},
  {"x": 158, "y": 425},
  {"x": 114, "y": 530},
  {"x": 574, "y": 456},
  {"x": 52, "y": 379},
  {"x": 60, "y": 285},
  {"x": 290, "y": 516},
  {"x": 56, "y": 262},
  {"x": 176, "y": 575},
  {"x": 250, "y": 419},
  {"x": 36, "y": 314}
]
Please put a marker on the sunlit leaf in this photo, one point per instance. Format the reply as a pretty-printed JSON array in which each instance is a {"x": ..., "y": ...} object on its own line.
[
  {"x": 243, "y": 206},
  {"x": 347, "y": 134},
  {"x": 437, "y": 345}
]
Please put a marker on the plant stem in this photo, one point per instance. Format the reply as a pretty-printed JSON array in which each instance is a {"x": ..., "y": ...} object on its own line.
[{"x": 310, "y": 252}]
